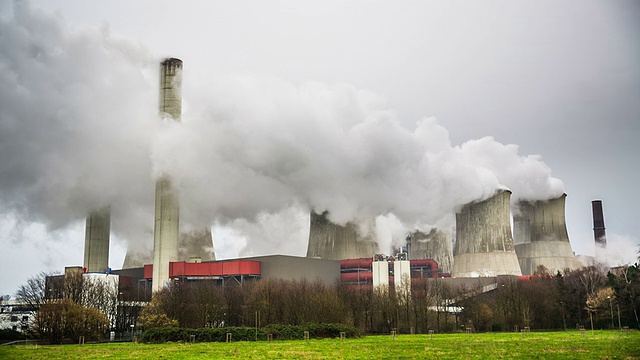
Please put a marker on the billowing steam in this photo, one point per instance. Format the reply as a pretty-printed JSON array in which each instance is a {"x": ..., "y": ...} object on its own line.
[{"x": 79, "y": 129}]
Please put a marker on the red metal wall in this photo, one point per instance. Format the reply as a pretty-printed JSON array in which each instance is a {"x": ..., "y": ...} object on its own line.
[
  {"x": 219, "y": 268},
  {"x": 148, "y": 271}
]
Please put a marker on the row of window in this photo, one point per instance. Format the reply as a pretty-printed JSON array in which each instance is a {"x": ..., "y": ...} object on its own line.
[{"x": 14, "y": 318}]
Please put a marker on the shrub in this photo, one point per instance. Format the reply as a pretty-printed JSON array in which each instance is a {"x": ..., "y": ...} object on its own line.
[
  {"x": 165, "y": 334},
  {"x": 321, "y": 331},
  {"x": 10, "y": 335}
]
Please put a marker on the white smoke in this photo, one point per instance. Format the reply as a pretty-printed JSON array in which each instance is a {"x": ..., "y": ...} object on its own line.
[
  {"x": 77, "y": 118},
  {"x": 621, "y": 249},
  {"x": 80, "y": 129}
]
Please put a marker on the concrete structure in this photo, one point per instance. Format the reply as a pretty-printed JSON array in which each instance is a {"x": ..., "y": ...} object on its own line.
[
  {"x": 380, "y": 268},
  {"x": 196, "y": 244},
  {"x": 484, "y": 245},
  {"x": 599, "y": 232},
  {"x": 334, "y": 242},
  {"x": 435, "y": 245},
  {"x": 540, "y": 236},
  {"x": 167, "y": 211},
  {"x": 402, "y": 277},
  {"x": 96, "y": 240}
]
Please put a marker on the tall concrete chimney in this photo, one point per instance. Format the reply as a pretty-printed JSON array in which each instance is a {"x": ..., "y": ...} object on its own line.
[
  {"x": 484, "y": 245},
  {"x": 540, "y": 236},
  {"x": 167, "y": 212},
  {"x": 598, "y": 224},
  {"x": 330, "y": 241},
  {"x": 436, "y": 245},
  {"x": 96, "y": 240}
]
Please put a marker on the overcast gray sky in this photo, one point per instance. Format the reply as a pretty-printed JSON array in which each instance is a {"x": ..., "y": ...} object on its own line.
[{"x": 558, "y": 79}]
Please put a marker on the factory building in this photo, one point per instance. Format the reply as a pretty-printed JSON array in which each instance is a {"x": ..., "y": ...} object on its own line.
[{"x": 238, "y": 271}]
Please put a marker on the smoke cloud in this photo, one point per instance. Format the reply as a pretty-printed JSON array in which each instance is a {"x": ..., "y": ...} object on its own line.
[
  {"x": 80, "y": 129},
  {"x": 622, "y": 249}
]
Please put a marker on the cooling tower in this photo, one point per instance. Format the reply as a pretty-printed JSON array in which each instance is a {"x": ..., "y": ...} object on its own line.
[
  {"x": 540, "y": 236},
  {"x": 484, "y": 246},
  {"x": 435, "y": 245},
  {"x": 96, "y": 240},
  {"x": 196, "y": 244},
  {"x": 192, "y": 244},
  {"x": 167, "y": 211},
  {"x": 598, "y": 224},
  {"x": 330, "y": 241}
]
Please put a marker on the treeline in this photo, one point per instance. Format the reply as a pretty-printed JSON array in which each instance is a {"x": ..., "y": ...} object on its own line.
[
  {"x": 70, "y": 306},
  {"x": 545, "y": 301}
]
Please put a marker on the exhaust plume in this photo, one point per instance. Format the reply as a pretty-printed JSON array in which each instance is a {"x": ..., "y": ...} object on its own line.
[{"x": 80, "y": 129}]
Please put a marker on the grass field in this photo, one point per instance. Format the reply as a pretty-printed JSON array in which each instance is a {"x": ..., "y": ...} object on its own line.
[{"x": 536, "y": 345}]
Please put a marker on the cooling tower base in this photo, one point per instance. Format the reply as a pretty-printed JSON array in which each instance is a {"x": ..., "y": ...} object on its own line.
[
  {"x": 553, "y": 255},
  {"x": 486, "y": 264}
]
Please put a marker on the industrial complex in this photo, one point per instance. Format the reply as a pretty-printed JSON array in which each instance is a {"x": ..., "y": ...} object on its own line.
[{"x": 483, "y": 244}]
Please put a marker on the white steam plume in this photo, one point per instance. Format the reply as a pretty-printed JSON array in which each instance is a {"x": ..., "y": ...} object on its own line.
[{"x": 80, "y": 129}]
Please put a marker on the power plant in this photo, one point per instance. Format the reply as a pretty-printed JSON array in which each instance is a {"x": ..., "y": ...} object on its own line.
[
  {"x": 540, "y": 236},
  {"x": 484, "y": 245}
]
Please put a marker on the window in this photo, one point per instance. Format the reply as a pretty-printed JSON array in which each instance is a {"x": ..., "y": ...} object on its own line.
[
  {"x": 25, "y": 318},
  {"x": 14, "y": 318}
]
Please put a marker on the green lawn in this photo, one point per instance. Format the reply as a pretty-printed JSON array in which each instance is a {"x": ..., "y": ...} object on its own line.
[{"x": 537, "y": 345}]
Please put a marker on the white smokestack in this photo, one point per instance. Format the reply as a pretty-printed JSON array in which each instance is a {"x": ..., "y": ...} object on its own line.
[{"x": 167, "y": 214}]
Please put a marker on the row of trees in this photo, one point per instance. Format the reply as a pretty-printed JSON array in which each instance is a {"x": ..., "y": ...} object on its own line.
[
  {"x": 575, "y": 298},
  {"x": 73, "y": 305}
]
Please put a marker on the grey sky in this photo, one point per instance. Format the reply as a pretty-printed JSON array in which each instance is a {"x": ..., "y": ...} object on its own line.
[{"x": 559, "y": 79}]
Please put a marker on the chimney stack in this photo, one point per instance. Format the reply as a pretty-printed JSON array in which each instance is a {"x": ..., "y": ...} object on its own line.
[
  {"x": 598, "y": 224},
  {"x": 167, "y": 212}
]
